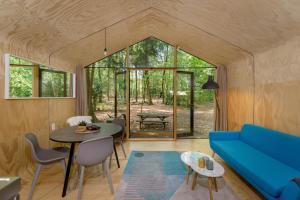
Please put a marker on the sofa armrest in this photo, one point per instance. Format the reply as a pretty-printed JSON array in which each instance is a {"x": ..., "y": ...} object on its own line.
[
  {"x": 291, "y": 191},
  {"x": 224, "y": 135}
]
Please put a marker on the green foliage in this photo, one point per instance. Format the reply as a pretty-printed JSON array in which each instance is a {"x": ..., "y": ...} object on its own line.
[
  {"x": 82, "y": 123},
  {"x": 53, "y": 83},
  {"x": 18, "y": 61},
  {"x": 20, "y": 82},
  {"x": 145, "y": 85}
]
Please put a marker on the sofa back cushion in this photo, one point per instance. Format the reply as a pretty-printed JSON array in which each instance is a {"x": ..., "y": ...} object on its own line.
[{"x": 280, "y": 146}]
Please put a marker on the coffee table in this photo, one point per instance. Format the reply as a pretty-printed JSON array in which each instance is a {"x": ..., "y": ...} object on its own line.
[{"x": 190, "y": 158}]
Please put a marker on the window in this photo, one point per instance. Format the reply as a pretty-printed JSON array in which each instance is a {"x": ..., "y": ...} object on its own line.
[
  {"x": 26, "y": 79},
  {"x": 54, "y": 83}
]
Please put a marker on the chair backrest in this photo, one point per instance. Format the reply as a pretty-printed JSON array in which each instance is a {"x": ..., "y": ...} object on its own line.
[
  {"x": 73, "y": 121},
  {"x": 92, "y": 152},
  {"x": 34, "y": 144},
  {"x": 122, "y": 123}
]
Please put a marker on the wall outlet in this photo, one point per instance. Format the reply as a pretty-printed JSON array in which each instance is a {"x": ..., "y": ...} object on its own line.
[{"x": 53, "y": 127}]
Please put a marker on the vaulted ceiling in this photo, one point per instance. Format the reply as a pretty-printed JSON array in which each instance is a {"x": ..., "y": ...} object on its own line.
[{"x": 219, "y": 31}]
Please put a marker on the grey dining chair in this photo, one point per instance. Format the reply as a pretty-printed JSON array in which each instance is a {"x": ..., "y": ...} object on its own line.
[
  {"x": 94, "y": 152},
  {"x": 43, "y": 157}
]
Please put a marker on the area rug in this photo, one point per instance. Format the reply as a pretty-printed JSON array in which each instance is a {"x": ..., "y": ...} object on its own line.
[
  {"x": 159, "y": 175},
  {"x": 201, "y": 191}
]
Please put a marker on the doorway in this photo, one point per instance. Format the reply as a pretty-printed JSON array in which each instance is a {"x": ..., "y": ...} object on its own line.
[{"x": 151, "y": 108}]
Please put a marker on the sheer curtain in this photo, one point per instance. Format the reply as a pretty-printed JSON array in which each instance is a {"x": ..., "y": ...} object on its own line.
[
  {"x": 81, "y": 106},
  {"x": 221, "y": 100}
]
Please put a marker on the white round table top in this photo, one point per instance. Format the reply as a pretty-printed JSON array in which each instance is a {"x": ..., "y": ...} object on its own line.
[
  {"x": 188, "y": 156},
  {"x": 191, "y": 158}
]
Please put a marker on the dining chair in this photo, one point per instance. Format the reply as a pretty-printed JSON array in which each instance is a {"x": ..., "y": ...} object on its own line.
[
  {"x": 73, "y": 121},
  {"x": 43, "y": 157},
  {"x": 93, "y": 152}
]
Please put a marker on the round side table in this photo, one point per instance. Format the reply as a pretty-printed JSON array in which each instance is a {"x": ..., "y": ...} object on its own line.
[
  {"x": 190, "y": 157},
  {"x": 211, "y": 175}
]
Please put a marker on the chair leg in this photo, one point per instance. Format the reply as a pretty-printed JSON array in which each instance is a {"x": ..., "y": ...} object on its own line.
[
  {"x": 80, "y": 182},
  {"x": 103, "y": 167},
  {"x": 110, "y": 157},
  {"x": 123, "y": 149},
  {"x": 35, "y": 179},
  {"x": 106, "y": 167},
  {"x": 63, "y": 164}
]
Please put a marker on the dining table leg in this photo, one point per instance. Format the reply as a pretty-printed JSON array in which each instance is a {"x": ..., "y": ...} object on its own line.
[
  {"x": 71, "y": 154},
  {"x": 116, "y": 154}
]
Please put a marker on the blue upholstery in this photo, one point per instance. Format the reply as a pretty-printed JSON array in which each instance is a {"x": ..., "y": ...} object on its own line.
[{"x": 262, "y": 157}]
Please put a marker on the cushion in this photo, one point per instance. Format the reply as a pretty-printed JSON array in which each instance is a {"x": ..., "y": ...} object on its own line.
[
  {"x": 271, "y": 142},
  {"x": 267, "y": 173}
]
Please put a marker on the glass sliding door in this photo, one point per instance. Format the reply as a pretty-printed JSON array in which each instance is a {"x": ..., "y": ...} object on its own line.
[
  {"x": 185, "y": 103},
  {"x": 151, "y": 103}
]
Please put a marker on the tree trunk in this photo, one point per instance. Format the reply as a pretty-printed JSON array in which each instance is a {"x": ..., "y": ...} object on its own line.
[
  {"x": 90, "y": 80},
  {"x": 100, "y": 89},
  {"x": 136, "y": 87},
  {"x": 163, "y": 86},
  {"x": 148, "y": 89}
]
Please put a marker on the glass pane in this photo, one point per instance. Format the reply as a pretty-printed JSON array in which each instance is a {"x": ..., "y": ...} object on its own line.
[
  {"x": 203, "y": 104},
  {"x": 151, "y": 104},
  {"x": 28, "y": 79},
  {"x": 53, "y": 84},
  {"x": 106, "y": 87},
  {"x": 184, "y": 104},
  {"x": 20, "y": 82},
  {"x": 151, "y": 53}
]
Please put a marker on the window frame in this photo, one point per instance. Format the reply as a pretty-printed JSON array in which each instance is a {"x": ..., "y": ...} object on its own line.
[{"x": 7, "y": 66}]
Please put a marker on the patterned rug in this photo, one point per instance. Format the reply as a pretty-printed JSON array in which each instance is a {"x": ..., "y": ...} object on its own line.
[
  {"x": 159, "y": 175},
  {"x": 151, "y": 175}
]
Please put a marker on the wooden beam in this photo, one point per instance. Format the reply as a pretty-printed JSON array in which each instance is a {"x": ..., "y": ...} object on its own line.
[
  {"x": 127, "y": 88},
  {"x": 35, "y": 80},
  {"x": 175, "y": 93}
]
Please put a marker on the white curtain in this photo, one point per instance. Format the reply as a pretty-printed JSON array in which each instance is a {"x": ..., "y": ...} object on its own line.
[
  {"x": 221, "y": 100},
  {"x": 81, "y": 106}
]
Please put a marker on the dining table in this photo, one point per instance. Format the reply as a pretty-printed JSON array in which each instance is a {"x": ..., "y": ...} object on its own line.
[{"x": 69, "y": 135}]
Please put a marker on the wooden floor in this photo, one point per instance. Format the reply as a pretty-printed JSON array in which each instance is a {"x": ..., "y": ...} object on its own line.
[{"x": 96, "y": 187}]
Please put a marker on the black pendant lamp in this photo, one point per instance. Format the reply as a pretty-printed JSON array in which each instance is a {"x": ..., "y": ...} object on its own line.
[
  {"x": 210, "y": 84},
  {"x": 105, "y": 50}
]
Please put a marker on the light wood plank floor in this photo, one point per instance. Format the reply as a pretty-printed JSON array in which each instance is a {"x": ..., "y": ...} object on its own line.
[{"x": 96, "y": 187}]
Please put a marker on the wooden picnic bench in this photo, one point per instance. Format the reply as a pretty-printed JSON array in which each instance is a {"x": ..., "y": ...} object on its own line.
[{"x": 152, "y": 119}]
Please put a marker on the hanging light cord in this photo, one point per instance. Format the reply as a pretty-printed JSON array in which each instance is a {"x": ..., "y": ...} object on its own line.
[{"x": 105, "y": 38}]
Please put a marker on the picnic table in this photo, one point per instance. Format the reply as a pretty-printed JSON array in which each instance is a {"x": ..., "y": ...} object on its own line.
[{"x": 152, "y": 119}]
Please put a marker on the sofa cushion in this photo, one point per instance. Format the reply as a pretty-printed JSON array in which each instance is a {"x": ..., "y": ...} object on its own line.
[
  {"x": 267, "y": 173},
  {"x": 278, "y": 145}
]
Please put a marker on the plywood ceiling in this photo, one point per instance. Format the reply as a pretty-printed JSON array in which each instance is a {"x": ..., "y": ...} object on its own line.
[{"x": 217, "y": 30}]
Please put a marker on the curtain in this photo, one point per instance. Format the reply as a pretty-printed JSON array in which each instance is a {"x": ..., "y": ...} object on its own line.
[
  {"x": 221, "y": 100},
  {"x": 81, "y": 107}
]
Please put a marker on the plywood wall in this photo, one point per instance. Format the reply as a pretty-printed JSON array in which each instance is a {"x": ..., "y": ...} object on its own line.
[
  {"x": 275, "y": 88},
  {"x": 21, "y": 116},
  {"x": 240, "y": 92}
]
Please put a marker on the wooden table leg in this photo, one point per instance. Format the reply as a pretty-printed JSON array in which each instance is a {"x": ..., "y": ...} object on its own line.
[
  {"x": 188, "y": 174},
  {"x": 195, "y": 175},
  {"x": 215, "y": 183},
  {"x": 210, "y": 183},
  {"x": 70, "y": 161}
]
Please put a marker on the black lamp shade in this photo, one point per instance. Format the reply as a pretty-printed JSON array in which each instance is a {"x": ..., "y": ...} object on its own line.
[{"x": 210, "y": 84}]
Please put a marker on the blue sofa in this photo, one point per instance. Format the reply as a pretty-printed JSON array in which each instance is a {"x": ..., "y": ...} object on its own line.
[{"x": 269, "y": 160}]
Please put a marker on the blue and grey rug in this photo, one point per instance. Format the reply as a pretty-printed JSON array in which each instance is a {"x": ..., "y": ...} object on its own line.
[{"x": 151, "y": 175}]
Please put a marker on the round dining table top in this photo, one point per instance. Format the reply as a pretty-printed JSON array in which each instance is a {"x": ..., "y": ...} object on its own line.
[{"x": 68, "y": 135}]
